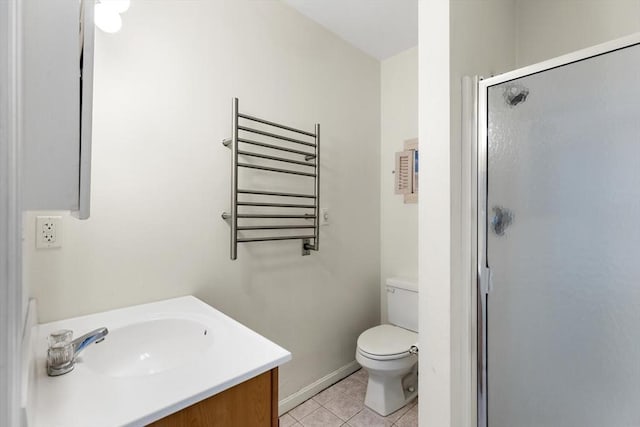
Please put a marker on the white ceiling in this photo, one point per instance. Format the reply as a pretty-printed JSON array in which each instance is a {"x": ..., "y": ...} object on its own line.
[{"x": 380, "y": 28}]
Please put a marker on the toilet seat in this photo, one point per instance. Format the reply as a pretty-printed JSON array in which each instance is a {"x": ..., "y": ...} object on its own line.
[{"x": 386, "y": 342}]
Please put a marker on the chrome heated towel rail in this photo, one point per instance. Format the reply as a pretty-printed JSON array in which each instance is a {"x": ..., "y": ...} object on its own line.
[{"x": 305, "y": 158}]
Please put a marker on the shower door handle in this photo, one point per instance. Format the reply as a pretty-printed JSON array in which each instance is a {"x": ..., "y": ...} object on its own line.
[{"x": 502, "y": 218}]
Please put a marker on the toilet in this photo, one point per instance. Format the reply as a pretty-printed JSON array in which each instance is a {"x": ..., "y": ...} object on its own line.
[{"x": 389, "y": 352}]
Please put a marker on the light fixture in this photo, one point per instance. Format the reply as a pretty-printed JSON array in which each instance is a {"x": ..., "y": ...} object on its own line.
[
  {"x": 107, "y": 14},
  {"x": 119, "y": 6}
]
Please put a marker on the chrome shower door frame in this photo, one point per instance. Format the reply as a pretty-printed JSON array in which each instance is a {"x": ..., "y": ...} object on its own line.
[{"x": 483, "y": 273}]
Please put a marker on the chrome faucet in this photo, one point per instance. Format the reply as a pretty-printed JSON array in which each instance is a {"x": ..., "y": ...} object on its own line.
[{"x": 61, "y": 357}]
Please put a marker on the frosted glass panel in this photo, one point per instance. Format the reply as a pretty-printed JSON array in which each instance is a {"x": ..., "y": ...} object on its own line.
[{"x": 564, "y": 248}]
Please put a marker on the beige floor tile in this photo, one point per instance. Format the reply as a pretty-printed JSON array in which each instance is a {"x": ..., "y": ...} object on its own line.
[
  {"x": 368, "y": 418},
  {"x": 410, "y": 419},
  {"x": 352, "y": 388},
  {"x": 359, "y": 392},
  {"x": 361, "y": 375},
  {"x": 287, "y": 421},
  {"x": 346, "y": 384},
  {"x": 304, "y": 409},
  {"x": 394, "y": 416},
  {"x": 344, "y": 407},
  {"x": 321, "y": 417},
  {"x": 327, "y": 394}
]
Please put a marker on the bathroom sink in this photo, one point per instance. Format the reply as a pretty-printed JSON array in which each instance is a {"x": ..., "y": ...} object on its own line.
[
  {"x": 148, "y": 347},
  {"x": 157, "y": 359}
]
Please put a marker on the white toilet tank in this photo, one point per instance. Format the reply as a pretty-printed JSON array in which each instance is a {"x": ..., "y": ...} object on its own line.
[{"x": 402, "y": 303}]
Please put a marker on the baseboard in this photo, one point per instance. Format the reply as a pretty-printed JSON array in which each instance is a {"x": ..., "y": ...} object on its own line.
[{"x": 316, "y": 387}]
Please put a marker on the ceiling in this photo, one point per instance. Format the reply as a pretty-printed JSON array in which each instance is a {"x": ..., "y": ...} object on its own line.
[{"x": 380, "y": 28}]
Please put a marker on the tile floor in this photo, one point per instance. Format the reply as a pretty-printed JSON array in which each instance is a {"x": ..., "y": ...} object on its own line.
[{"x": 342, "y": 404}]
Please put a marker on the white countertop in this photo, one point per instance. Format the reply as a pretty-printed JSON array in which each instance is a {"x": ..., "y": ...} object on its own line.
[{"x": 85, "y": 397}]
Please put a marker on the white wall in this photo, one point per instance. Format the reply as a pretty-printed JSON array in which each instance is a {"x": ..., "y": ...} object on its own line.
[
  {"x": 161, "y": 178},
  {"x": 550, "y": 28},
  {"x": 434, "y": 215},
  {"x": 399, "y": 122}
]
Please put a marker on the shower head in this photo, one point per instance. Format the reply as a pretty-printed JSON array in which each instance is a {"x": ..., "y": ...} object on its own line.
[{"x": 514, "y": 95}]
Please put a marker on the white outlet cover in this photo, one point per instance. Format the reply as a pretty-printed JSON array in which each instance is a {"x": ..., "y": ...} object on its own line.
[{"x": 48, "y": 232}]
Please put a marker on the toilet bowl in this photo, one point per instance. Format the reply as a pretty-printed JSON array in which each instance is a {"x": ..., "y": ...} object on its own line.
[{"x": 386, "y": 353}]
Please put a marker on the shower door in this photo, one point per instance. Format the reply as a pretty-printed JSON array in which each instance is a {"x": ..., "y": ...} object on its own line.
[{"x": 559, "y": 253}]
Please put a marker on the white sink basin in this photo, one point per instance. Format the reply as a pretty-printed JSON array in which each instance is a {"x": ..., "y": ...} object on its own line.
[
  {"x": 158, "y": 358},
  {"x": 148, "y": 347}
]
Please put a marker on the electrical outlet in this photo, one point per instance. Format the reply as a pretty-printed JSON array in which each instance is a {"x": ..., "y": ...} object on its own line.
[{"x": 48, "y": 232}]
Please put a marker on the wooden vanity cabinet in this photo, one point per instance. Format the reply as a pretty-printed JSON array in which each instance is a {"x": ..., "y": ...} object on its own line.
[{"x": 253, "y": 403}]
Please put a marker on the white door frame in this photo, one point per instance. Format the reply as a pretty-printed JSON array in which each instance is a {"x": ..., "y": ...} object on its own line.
[
  {"x": 11, "y": 302},
  {"x": 483, "y": 279}
]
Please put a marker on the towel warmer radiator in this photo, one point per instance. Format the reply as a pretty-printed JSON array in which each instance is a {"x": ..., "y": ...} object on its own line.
[{"x": 307, "y": 168}]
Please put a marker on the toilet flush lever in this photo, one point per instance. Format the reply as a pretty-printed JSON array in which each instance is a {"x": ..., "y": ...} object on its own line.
[{"x": 413, "y": 349}]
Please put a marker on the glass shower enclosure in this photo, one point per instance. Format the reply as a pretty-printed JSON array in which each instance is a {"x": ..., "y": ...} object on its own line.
[{"x": 559, "y": 242}]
